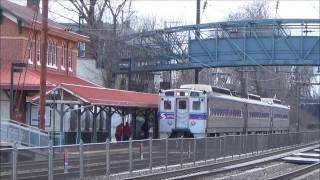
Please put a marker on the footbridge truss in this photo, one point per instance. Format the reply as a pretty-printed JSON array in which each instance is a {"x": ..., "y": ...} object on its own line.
[{"x": 270, "y": 42}]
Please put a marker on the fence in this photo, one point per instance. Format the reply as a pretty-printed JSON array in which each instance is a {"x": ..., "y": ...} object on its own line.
[{"x": 108, "y": 159}]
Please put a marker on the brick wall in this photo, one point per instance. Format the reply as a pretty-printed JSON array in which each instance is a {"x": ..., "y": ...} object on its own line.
[{"x": 14, "y": 48}]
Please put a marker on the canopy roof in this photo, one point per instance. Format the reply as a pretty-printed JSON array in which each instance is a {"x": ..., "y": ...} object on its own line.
[
  {"x": 89, "y": 95},
  {"x": 30, "y": 79}
]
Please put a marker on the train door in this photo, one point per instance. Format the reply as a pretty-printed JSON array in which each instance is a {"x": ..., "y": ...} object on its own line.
[
  {"x": 166, "y": 115},
  {"x": 198, "y": 116},
  {"x": 182, "y": 112}
]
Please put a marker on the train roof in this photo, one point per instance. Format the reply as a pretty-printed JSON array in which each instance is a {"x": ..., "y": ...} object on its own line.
[
  {"x": 275, "y": 102},
  {"x": 174, "y": 92},
  {"x": 225, "y": 93},
  {"x": 207, "y": 88},
  {"x": 199, "y": 87},
  {"x": 181, "y": 89},
  {"x": 271, "y": 100},
  {"x": 239, "y": 99}
]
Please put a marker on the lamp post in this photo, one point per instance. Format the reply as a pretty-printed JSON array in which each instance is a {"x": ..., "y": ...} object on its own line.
[{"x": 15, "y": 67}]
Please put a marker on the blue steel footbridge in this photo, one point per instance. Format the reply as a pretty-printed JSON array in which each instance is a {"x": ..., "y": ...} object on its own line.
[{"x": 269, "y": 42}]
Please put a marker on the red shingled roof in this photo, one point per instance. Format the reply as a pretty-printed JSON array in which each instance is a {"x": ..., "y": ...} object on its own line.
[
  {"x": 27, "y": 15},
  {"x": 88, "y": 92},
  {"x": 108, "y": 97},
  {"x": 31, "y": 79}
]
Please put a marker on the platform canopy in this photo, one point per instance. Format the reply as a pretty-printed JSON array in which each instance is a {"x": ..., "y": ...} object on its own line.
[{"x": 88, "y": 95}]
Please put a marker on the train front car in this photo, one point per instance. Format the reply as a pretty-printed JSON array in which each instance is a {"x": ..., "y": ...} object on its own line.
[{"x": 182, "y": 113}]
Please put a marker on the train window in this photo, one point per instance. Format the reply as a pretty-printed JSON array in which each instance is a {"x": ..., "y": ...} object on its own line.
[
  {"x": 196, "y": 105},
  {"x": 169, "y": 93},
  {"x": 281, "y": 116},
  {"x": 167, "y": 105},
  {"x": 193, "y": 94},
  {"x": 232, "y": 112},
  {"x": 182, "y": 105}
]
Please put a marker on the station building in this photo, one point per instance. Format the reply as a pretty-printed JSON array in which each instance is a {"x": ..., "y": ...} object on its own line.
[{"x": 75, "y": 108}]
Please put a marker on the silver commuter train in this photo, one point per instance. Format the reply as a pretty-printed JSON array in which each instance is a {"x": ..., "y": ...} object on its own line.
[{"x": 197, "y": 110}]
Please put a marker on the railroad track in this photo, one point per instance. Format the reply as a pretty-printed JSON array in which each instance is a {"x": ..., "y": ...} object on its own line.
[
  {"x": 297, "y": 173},
  {"x": 95, "y": 166},
  {"x": 200, "y": 172}
]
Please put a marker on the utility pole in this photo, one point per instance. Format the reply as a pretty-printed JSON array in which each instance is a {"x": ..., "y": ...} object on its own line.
[
  {"x": 196, "y": 71},
  {"x": 198, "y": 17},
  {"x": 43, "y": 70},
  {"x": 243, "y": 82},
  {"x": 129, "y": 75}
]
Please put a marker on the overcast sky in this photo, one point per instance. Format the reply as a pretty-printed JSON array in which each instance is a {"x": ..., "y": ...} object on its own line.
[
  {"x": 218, "y": 10},
  {"x": 184, "y": 11},
  {"x": 179, "y": 12}
]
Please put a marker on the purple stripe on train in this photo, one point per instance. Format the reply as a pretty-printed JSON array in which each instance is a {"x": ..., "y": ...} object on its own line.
[{"x": 198, "y": 116}]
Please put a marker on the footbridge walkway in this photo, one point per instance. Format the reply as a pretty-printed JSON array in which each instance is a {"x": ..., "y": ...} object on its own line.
[{"x": 271, "y": 42}]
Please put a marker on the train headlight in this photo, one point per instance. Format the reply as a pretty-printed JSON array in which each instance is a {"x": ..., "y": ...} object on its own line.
[
  {"x": 193, "y": 123},
  {"x": 169, "y": 122}
]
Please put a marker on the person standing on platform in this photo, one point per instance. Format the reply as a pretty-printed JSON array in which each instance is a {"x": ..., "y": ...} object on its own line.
[
  {"x": 126, "y": 132},
  {"x": 119, "y": 132},
  {"x": 145, "y": 130}
]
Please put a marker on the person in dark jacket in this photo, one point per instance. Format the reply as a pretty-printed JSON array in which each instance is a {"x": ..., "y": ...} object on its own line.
[
  {"x": 126, "y": 132},
  {"x": 119, "y": 132},
  {"x": 145, "y": 130}
]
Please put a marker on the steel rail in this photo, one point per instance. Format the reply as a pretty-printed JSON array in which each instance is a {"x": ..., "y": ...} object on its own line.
[
  {"x": 297, "y": 173},
  {"x": 205, "y": 170}
]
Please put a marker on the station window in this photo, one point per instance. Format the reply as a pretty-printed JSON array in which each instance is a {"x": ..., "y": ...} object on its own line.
[
  {"x": 167, "y": 105},
  {"x": 38, "y": 47},
  {"x": 182, "y": 105},
  {"x": 63, "y": 56},
  {"x": 30, "y": 51},
  {"x": 196, "y": 105}
]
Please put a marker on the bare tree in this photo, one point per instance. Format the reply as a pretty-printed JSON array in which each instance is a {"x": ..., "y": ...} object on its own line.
[
  {"x": 285, "y": 83},
  {"x": 102, "y": 31}
]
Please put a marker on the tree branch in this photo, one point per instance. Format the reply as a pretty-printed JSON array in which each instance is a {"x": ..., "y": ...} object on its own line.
[{"x": 102, "y": 10}]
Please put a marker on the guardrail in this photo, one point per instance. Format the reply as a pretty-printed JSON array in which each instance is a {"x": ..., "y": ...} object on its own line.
[
  {"x": 15, "y": 132},
  {"x": 110, "y": 159}
]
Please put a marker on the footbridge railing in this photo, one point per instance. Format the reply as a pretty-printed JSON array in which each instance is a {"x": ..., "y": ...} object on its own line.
[{"x": 22, "y": 134}]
